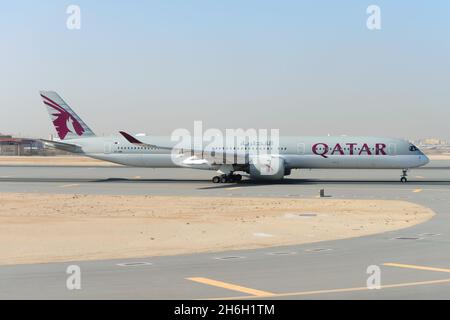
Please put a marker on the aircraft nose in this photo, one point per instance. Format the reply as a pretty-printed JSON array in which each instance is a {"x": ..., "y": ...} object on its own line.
[{"x": 424, "y": 159}]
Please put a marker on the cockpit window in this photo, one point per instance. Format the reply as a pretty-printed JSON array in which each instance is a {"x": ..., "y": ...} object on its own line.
[{"x": 413, "y": 148}]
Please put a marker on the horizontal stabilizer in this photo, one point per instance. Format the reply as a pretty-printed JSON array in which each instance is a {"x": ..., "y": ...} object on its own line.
[{"x": 62, "y": 146}]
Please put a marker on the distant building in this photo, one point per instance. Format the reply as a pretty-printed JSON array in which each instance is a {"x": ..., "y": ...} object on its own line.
[
  {"x": 432, "y": 141},
  {"x": 10, "y": 146}
]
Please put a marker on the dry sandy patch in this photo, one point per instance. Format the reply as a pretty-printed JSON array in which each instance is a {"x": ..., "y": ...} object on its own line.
[
  {"x": 53, "y": 161},
  {"x": 37, "y": 228},
  {"x": 434, "y": 157}
]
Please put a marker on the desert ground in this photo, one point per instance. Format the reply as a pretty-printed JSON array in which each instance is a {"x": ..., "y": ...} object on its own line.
[
  {"x": 439, "y": 157},
  {"x": 53, "y": 161},
  {"x": 40, "y": 228}
]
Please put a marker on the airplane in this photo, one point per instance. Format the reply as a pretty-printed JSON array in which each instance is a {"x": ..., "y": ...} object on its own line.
[{"x": 260, "y": 160}]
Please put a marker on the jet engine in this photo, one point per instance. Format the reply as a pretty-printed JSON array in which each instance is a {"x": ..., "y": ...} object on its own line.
[{"x": 267, "y": 167}]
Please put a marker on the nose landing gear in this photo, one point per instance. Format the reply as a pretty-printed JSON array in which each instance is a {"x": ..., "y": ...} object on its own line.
[
  {"x": 404, "y": 178},
  {"x": 227, "y": 178}
]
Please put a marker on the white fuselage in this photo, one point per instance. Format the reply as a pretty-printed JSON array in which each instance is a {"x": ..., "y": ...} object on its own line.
[{"x": 297, "y": 152}]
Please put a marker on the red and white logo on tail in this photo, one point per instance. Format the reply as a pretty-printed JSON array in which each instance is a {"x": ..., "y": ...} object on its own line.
[{"x": 67, "y": 123}]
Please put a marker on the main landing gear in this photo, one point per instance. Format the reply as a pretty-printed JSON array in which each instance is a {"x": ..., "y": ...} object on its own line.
[
  {"x": 404, "y": 178},
  {"x": 227, "y": 178}
]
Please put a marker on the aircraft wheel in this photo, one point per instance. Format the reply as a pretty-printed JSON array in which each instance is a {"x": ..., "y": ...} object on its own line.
[
  {"x": 404, "y": 179},
  {"x": 216, "y": 179},
  {"x": 224, "y": 179}
]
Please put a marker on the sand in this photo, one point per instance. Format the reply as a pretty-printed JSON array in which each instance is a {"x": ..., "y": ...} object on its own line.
[
  {"x": 54, "y": 161},
  {"x": 40, "y": 228},
  {"x": 439, "y": 157}
]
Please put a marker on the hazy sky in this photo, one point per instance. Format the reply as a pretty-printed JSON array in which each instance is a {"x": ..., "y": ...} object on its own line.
[{"x": 305, "y": 67}]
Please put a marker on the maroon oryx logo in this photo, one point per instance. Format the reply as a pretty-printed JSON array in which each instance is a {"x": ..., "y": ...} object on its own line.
[{"x": 63, "y": 121}]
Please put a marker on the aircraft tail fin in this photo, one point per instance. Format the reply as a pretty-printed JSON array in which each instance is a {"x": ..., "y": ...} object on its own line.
[{"x": 67, "y": 123}]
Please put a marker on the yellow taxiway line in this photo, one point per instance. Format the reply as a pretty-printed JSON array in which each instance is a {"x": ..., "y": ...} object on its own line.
[
  {"x": 417, "y": 190},
  {"x": 233, "y": 287},
  {"x": 410, "y": 266},
  {"x": 252, "y": 293},
  {"x": 316, "y": 292}
]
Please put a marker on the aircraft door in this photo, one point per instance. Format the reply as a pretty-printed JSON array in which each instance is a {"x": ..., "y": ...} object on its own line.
[
  {"x": 108, "y": 147},
  {"x": 392, "y": 150},
  {"x": 301, "y": 148}
]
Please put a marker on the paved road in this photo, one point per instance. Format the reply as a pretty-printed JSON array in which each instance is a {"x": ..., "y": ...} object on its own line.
[{"x": 415, "y": 266}]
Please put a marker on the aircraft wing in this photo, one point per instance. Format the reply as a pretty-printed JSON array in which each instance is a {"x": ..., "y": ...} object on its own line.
[
  {"x": 131, "y": 139},
  {"x": 194, "y": 157}
]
